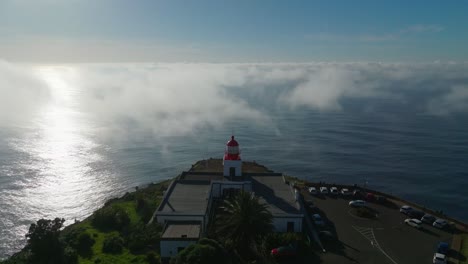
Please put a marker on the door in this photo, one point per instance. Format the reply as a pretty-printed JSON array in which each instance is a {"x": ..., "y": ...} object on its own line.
[
  {"x": 232, "y": 172},
  {"x": 290, "y": 227}
]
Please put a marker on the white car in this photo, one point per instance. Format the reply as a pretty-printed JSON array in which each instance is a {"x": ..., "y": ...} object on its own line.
[
  {"x": 440, "y": 223},
  {"x": 439, "y": 259},
  {"x": 345, "y": 192},
  {"x": 312, "y": 190},
  {"x": 405, "y": 209},
  {"x": 323, "y": 190},
  {"x": 318, "y": 221},
  {"x": 416, "y": 223},
  {"x": 334, "y": 190},
  {"x": 357, "y": 203}
]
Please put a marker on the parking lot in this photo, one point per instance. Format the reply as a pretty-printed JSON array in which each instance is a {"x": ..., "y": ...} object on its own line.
[{"x": 385, "y": 239}]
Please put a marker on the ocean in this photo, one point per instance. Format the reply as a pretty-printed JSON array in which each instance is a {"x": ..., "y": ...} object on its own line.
[{"x": 88, "y": 132}]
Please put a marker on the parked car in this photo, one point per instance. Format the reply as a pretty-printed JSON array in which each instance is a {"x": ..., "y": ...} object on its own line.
[
  {"x": 443, "y": 248},
  {"x": 370, "y": 197},
  {"x": 439, "y": 259},
  {"x": 405, "y": 209},
  {"x": 345, "y": 192},
  {"x": 416, "y": 214},
  {"x": 357, "y": 203},
  {"x": 334, "y": 190},
  {"x": 284, "y": 251},
  {"x": 428, "y": 219},
  {"x": 323, "y": 190},
  {"x": 357, "y": 194},
  {"x": 440, "y": 223},
  {"x": 318, "y": 221},
  {"x": 313, "y": 190},
  {"x": 416, "y": 223}
]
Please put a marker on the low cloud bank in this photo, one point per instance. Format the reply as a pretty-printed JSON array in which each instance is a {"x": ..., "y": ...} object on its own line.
[
  {"x": 22, "y": 92},
  {"x": 180, "y": 99}
]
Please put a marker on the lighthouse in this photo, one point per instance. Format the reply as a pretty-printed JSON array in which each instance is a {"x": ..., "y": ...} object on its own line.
[{"x": 232, "y": 161}]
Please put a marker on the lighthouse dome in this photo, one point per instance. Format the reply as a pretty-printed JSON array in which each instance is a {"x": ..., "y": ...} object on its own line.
[
  {"x": 232, "y": 142},
  {"x": 232, "y": 150}
]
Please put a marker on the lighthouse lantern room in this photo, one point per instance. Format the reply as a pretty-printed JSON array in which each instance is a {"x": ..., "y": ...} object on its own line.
[{"x": 232, "y": 161}]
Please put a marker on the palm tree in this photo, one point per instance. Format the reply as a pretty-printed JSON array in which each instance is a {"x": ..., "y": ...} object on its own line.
[{"x": 243, "y": 221}]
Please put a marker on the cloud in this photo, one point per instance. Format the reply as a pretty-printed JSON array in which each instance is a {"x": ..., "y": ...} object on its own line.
[
  {"x": 22, "y": 92},
  {"x": 454, "y": 101},
  {"x": 166, "y": 99},
  {"x": 179, "y": 99}
]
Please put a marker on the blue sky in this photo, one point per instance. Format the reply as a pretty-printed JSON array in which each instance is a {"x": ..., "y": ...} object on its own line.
[{"x": 233, "y": 31}]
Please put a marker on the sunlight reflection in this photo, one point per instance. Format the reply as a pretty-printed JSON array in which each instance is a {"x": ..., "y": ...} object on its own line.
[{"x": 63, "y": 154}]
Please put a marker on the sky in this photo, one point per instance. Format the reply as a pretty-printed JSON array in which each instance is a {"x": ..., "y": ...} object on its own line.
[{"x": 232, "y": 31}]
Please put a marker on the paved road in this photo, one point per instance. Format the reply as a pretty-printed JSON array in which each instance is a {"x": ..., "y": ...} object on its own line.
[{"x": 382, "y": 240}]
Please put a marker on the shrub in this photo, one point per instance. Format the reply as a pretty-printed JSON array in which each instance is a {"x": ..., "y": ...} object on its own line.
[
  {"x": 70, "y": 256},
  {"x": 153, "y": 258},
  {"x": 140, "y": 236},
  {"x": 111, "y": 218},
  {"x": 274, "y": 240},
  {"x": 113, "y": 244},
  {"x": 85, "y": 242},
  {"x": 206, "y": 251}
]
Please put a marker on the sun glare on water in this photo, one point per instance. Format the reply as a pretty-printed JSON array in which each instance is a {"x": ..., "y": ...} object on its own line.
[{"x": 62, "y": 167}]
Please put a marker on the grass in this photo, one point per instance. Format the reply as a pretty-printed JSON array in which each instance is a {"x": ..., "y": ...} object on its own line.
[{"x": 151, "y": 194}]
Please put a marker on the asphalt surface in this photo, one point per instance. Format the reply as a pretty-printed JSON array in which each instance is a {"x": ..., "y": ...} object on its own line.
[{"x": 385, "y": 239}]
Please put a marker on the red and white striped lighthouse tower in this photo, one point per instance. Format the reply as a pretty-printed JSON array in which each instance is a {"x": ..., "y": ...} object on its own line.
[{"x": 232, "y": 161}]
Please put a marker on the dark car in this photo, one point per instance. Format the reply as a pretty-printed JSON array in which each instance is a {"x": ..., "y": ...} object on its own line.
[
  {"x": 370, "y": 197},
  {"x": 357, "y": 194},
  {"x": 428, "y": 219},
  {"x": 443, "y": 248},
  {"x": 284, "y": 251},
  {"x": 416, "y": 214}
]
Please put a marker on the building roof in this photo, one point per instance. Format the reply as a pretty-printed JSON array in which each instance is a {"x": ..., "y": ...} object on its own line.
[
  {"x": 279, "y": 196},
  {"x": 182, "y": 230},
  {"x": 187, "y": 197}
]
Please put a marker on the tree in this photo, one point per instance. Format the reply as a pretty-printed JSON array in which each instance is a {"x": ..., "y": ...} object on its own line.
[
  {"x": 85, "y": 242},
  {"x": 43, "y": 240},
  {"x": 111, "y": 218},
  {"x": 113, "y": 244},
  {"x": 243, "y": 221},
  {"x": 206, "y": 251}
]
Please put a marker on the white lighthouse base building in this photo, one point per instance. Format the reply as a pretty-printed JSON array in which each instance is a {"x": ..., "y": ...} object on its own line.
[
  {"x": 232, "y": 168},
  {"x": 187, "y": 205}
]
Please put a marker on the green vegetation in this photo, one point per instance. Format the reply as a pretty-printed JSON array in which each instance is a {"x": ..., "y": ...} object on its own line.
[
  {"x": 116, "y": 233},
  {"x": 206, "y": 251},
  {"x": 241, "y": 224},
  {"x": 464, "y": 248}
]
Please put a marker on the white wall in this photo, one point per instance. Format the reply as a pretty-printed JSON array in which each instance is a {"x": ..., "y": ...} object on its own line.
[
  {"x": 232, "y": 163},
  {"x": 281, "y": 223},
  {"x": 169, "y": 247}
]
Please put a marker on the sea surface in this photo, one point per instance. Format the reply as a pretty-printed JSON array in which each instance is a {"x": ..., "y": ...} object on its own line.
[{"x": 61, "y": 161}]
